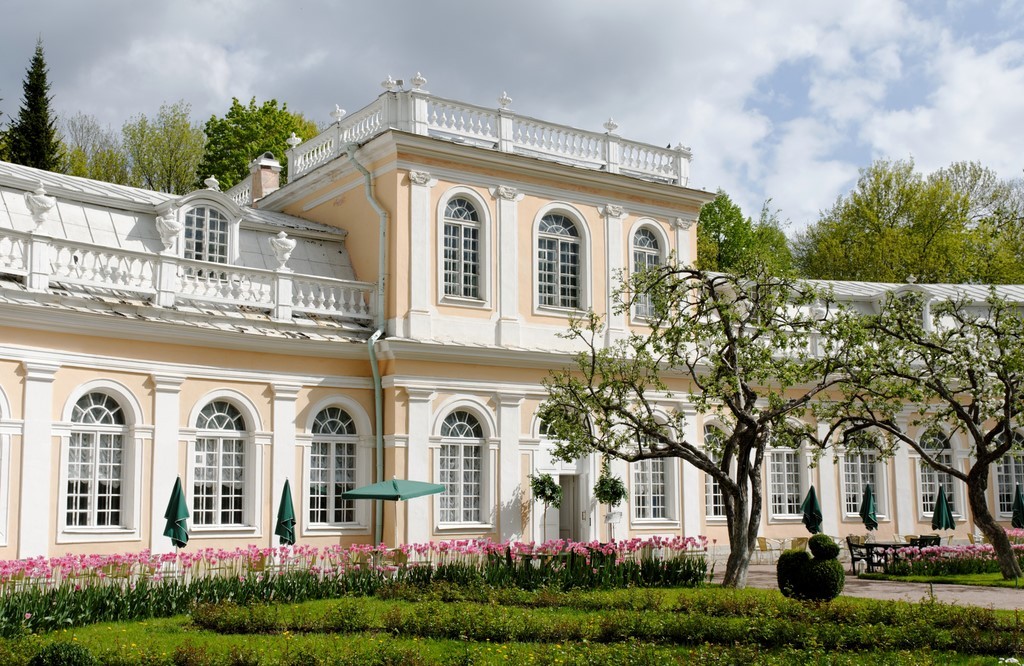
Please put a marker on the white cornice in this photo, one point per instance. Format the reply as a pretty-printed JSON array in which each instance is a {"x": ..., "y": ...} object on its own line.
[{"x": 406, "y": 350}]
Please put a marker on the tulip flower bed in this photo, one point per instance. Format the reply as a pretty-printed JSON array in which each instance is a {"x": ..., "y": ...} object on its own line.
[
  {"x": 43, "y": 594},
  {"x": 947, "y": 560}
]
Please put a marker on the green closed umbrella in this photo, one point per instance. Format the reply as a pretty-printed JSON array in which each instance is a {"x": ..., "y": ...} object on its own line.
[
  {"x": 1018, "y": 509},
  {"x": 812, "y": 512},
  {"x": 867, "y": 509},
  {"x": 942, "y": 516},
  {"x": 177, "y": 516},
  {"x": 286, "y": 517},
  {"x": 394, "y": 490}
]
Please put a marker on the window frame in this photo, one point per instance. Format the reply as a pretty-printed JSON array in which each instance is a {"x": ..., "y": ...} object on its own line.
[
  {"x": 800, "y": 460},
  {"x": 134, "y": 434},
  {"x": 661, "y": 252},
  {"x": 584, "y": 275},
  {"x": 710, "y": 482},
  {"x": 484, "y": 251},
  {"x": 364, "y": 443},
  {"x": 1015, "y": 458},
  {"x": 954, "y": 495},
  {"x": 880, "y": 486},
  {"x": 488, "y": 456},
  {"x": 253, "y": 442},
  {"x": 8, "y": 427}
]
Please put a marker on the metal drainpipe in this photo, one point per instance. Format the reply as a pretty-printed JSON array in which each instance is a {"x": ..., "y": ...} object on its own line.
[{"x": 378, "y": 393}]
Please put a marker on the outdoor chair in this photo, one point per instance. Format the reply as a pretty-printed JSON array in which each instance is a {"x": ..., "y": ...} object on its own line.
[
  {"x": 910, "y": 538},
  {"x": 798, "y": 543},
  {"x": 766, "y": 547},
  {"x": 858, "y": 552},
  {"x": 926, "y": 541}
]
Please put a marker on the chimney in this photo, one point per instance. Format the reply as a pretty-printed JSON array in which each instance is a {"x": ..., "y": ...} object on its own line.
[{"x": 266, "y": 176}]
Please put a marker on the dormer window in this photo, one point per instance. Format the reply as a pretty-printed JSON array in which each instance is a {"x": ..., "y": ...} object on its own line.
[{"x": 206, "y": 235}]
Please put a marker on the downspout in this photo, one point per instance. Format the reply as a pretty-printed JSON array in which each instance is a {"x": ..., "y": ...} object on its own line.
[{"x": 378, "y": 393}]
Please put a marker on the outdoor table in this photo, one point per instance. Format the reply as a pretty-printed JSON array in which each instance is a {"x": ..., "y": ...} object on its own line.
[{"x": 878, "y": 553}]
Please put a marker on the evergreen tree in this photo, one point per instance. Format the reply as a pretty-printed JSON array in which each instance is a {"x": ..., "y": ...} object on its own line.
[{"x": 32, "y": 139}]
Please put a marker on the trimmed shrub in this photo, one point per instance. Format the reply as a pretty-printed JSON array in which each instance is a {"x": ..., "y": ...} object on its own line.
[
  {"x": 790, "y": 571},
  {"x": 64, "y": 654},
  {"x": 824, "y": 580},
  {"x": 823, "y": 547},
  {"x": 819, "y": 579}
]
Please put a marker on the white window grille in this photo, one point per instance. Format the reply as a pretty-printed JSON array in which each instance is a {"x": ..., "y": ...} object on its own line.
[
  {"x": 646, "y": 255},
  {"x": 95, "y": 462},
  {"x": 461, "y": 468},
  {"x": 461, "y": 249},
  {"x": 219, "y": 479},
  {"x": 930, "y": 480},
  {"x": 332, "y": 467},
  {"x": 1010, "y": 474},
  {"x": 714, "y": 502},
  {"x": 649, "y": 489},
  {"x": 859, "y": 469},
  {"x": 558, "y": 263},
  {"x": 784, "y": 483},
  {"x": 206, "y": 235}
]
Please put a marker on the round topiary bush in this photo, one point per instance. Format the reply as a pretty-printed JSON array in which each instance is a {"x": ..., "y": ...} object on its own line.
[
  {"x": 64, "y": 654},
  {"x": 823, "y": 547},
  {"x": 790, "y": 571},
  {"x": 819, "y": 579}
]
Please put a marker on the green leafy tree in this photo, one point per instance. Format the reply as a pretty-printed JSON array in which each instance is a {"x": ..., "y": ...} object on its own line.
[
  {"x": 92, "y": 151},
  {"x": 163, "y": 153},
  {"x": 960, "y": 224},
  {"x": 923, "y": 366},
  {"x": 245, "y": 133},
  {"x": 728, "y": 241},
  {"x": 32, "y": 138},
  {"x": 744, "y": 349}
]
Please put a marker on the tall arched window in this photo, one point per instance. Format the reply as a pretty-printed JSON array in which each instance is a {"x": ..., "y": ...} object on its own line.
[
  {"x": 95, "y": 456},
  {"x": 558, "y": 262},
  {"x": 461, "y": 249},
  {"x": 462, "y": 449},
  {"x": 714, "y": 502},
  {"x": 219, "y": 479},
  {"x": 646, "y": 255},
  {"x": 930, "y": 480},
  {"x": 206, "y": 235},
  {"x": 1010, "y": 474},
  {"x": 332, "y": 467}
]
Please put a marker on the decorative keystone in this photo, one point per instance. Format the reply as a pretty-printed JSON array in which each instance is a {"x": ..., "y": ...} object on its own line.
[
  {"x": 282, "y": 247},
  {"x": 389, "y": 84},
  {"x": 418, "y": 81},
  {"x": 611, "y": 125},
  {"x": 212, "y": 184},
  {"x": 337, "y": 114},
  {"x": 39, "y": 204},
  {"x": 504, "y": 101},
  {"x": 293, "y": 140}
]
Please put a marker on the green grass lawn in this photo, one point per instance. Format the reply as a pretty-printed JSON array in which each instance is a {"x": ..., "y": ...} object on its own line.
[
  {"x": 981, "y": 579},
  {"x": 451, "y": 625}
]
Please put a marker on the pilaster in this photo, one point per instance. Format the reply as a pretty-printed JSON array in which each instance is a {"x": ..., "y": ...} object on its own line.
[
  {"x": 509, "y": 477},
  {"x": 682, "y": 225},
  {"x": 691, "y": 487},
  {"x": 828, "y": 487},
  {"x": 420, "y": 279},
  {"x": 419, "y": 523},
  {"x": 282, "y": 461},
  {"x": 614, "y": 270},
  {"x": 903, "y": 507},
  {"x": 165, "y": 464},
  {"x": 508, "y": 198},
  {"x": 35, "y": 525}
]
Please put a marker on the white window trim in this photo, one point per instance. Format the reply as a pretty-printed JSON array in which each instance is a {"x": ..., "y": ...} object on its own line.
[
  {"x": 671, "y": 519},
  {"x": 488, "y": 466},
  {"x": 708, "y": 518},
  {"x": 803, "y": 467},
  {"x": 135, "y": 438},
  {"x": 663, "y": 252},
  {"x": 997, "y": 487},
  {"x": 485, "y": 250},
  {"x": 254, "y": 442},
  {"x": 8, "y": 427},
  {"x": 881, "y": 490},
  {"x": 957, "y": 456},
  {"x": 365, "y": 451},
  {"x": 586, "y": 266},
  {"x": 230, "y": 212}
]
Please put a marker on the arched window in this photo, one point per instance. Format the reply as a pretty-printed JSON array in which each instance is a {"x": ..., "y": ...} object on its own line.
[
  {"x": 1010, "y": 474},
  {"x": 860, "y": 468},
  {"x": 649, "y": 492},
  {"x": 714, "y": 502},
  {"x": 786, "y": 481},
  {"x": 461, "y": 249},
  {"x": 646, "y": 255},
  {"x": 558, "y": 263},
  {"x": 206, "y": 235},
  {"x": 332, "y": 467},
  {"x": 219, "y": 479},
  {"x": 95, "y": 462},
  {"x": 462, "y": 450},
  {"x": 930, "y": 480}
]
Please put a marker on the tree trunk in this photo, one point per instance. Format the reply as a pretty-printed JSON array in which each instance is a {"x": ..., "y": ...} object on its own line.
[
  {"x": 1008, "y": 564},
  {"x": 744, "y": 515}
]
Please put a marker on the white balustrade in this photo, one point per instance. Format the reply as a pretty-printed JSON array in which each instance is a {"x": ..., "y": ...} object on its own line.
[
  {"x": 241, "y": 193},
  {"x": 332, "y": 297},
  {"x": 419, "y": 112},
  {"x": 167, "y": 281}
]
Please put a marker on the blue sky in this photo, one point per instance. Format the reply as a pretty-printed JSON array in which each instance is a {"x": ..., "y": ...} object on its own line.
[{"x": 781, "y": 100}]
